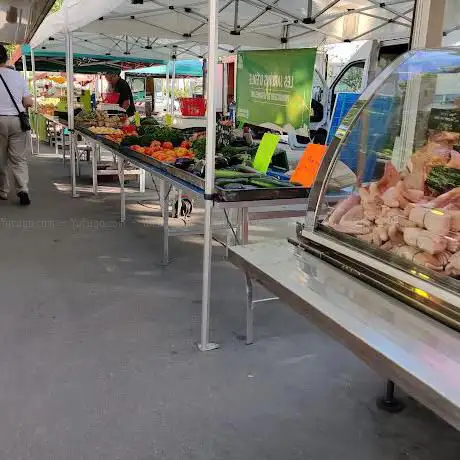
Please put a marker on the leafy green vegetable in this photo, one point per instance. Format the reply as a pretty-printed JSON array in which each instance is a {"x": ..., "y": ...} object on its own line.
[
  {"x": 131, "y": 140},
  {"x": 199, "y": 148},
  {"x": 162, "y": 134},
  {"x": 442, "y": 179},
  {"x": 148, "y": 121}
]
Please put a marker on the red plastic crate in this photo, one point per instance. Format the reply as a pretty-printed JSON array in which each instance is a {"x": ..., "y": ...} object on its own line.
[
  {"x": 110, "y": 98},
  {"x": 192, "y": 106}
]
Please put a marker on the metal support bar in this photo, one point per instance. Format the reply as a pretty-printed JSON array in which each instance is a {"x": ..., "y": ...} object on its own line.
[
  {"x": 384, "y": 6},
  {"x": 256, "y": 17},
  {"x": 381, "y": 18},
  {"x": 235, "y": 18},
  {"x": 326, "y": 8},
  {"x": 222, "y": 8},
  {"x": 373, "y": 29}
]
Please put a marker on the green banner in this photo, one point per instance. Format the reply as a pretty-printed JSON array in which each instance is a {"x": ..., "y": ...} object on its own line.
[{"x": 275, "y": 86}]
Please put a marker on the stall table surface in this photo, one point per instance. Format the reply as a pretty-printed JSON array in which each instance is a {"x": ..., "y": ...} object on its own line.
[{"x": 418, "y": 353}]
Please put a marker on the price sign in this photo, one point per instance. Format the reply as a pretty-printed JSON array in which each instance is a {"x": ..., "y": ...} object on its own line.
[
  {"x": 308, "y": 166},
  {"x": 137, "y": 119},
  {"x": 265, "y": 152}
]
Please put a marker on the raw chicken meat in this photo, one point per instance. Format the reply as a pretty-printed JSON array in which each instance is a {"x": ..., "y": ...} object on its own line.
[
  {"x": 425, "y": 240},
  {"x": 446, "y": 198},
  {"x": 371, "y": 201},
  {"x": 389, "y": 179},
  {"x": 395, "y": 215},
  {"x": 419, "y": 257},
  {"x": 454, "y": 160},
  {"x": 436, "y": 221},
  {"x": 356, "y": 213},
  {"x": 351, "y": 227},
  {"x": 444, "y": 257},
  {"x": 453, "y": 267},
  {"x": 393, "y": 198},
  {"x": 416, "y": 178},
  {"x": 455, "y": 226},
  {"x": 453, "y": 242},
  {"x": 342, "y": 208}
]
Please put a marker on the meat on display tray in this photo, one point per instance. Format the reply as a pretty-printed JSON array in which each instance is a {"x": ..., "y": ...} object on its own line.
[{"x": 221, "y": 194}]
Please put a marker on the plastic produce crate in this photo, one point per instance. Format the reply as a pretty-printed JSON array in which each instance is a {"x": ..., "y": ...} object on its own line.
[
  {"x": 110, "y": 98},
  {"x": 192, "y": 106}
]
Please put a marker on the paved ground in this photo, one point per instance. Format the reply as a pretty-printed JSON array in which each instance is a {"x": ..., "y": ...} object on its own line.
[{"x": 97, "y": 355}]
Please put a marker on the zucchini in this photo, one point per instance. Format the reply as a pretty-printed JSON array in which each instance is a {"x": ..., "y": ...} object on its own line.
[{"x": 229, "y": 174}]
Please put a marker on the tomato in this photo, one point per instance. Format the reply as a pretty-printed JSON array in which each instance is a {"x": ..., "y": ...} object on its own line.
[
  {"x": 155, "y": 144},
  {"x": 185, "y": 144},
  {"x": 167, "y": 145}
]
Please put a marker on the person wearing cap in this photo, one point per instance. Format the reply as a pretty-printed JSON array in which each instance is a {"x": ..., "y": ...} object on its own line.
[
  {"x": 14, "y": 142},
  {"x": 120, "y": 86}
]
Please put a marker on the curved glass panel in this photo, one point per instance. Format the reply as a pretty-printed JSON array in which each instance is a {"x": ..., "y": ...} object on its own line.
[{"x": 398, "y": 165}]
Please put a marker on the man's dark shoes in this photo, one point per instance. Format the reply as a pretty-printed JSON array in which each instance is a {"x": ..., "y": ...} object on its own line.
[{"x": 24, "y": 199}]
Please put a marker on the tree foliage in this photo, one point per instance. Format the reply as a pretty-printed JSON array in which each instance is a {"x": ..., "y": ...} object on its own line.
[{"x": 57, "y": 6}]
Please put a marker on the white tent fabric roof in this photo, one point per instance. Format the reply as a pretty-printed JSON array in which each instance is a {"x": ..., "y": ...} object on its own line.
[{"x": 110, "y": 25}]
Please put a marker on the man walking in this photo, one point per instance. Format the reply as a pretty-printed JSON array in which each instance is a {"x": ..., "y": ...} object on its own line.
[{"x": 14, "y": 141}]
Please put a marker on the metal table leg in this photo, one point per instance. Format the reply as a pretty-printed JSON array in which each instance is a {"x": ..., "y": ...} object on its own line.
[
  {"x": 121, "y": 177},
  {"x": 142, "y": 180},
  {"x": 388, "y": 402},
  {"x": 63, "y": 145},
  {"x": 56, "y": 146},
  {"x": 94, "y": 168},
  {"x": 244, "y": 239},
  {"x": 77, "y": 155},
  {"x": 205, "y": 344},
  {"x": 164, "y": 202},
  {"x": 73, "y": 175},
  {"x": 249, "y": 311}
]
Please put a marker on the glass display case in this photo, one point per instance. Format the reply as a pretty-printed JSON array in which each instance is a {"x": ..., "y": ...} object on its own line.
[{"x": 398, "y": 225}]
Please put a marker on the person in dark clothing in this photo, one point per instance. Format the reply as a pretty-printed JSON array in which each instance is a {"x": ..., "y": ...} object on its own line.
[
  {"x": 317, "y": 111},
  {"x": 121, "y": 87}
]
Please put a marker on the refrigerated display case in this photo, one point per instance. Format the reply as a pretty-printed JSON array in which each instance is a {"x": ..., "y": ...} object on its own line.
[{"x": 398, "y": 227}]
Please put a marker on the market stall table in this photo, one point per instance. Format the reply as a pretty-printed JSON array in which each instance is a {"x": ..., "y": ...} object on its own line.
[
  {"x": 416, "y": 352},
  {"x": 261, "y": 209}
]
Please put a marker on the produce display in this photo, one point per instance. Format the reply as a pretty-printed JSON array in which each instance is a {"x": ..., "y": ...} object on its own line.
[
  {"x": 99, "y": 118},
  {"x": 185, "y": 155},
  {"x": 415, "y": 213},
  {"x": 106, "y": 130},
  {"x": 165, "y": 151}
]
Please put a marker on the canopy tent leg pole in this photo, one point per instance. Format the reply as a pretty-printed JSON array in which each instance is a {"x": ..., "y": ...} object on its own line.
[
  {"x": 173, "y": 83},
  {"x": 24, "y": 74},
  {"x": 205, "y": 344},
  {"x": 70, "y": 110},
  {"x": 167, "y": 88},
  {"x": 34, "y": 88},
  {"x": 24, "y": 67}
]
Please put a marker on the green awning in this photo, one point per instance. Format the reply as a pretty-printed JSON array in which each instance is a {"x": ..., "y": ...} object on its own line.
[
  {"x": 54, "y": 61},
  {"x": 184, "y": 69}
]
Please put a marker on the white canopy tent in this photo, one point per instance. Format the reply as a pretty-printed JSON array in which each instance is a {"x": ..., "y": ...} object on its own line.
[
  {"x": 158, "y": 25},
  {"x": 205, "y": 27}
]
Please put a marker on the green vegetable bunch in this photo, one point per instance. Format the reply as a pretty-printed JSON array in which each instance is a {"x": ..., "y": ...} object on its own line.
[{"x": 199, "y": 148}]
